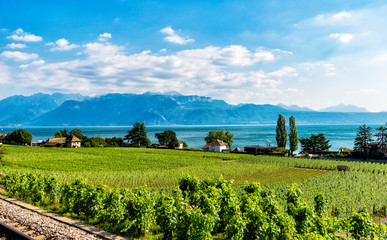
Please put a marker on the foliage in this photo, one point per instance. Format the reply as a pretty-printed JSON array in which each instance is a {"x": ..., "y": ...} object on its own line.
[
  {"x": 197, "y": 209},
  {"x": 114, "y": 142},
  {"x": 225, "y": 136},
  {"x": 62, "y": 133},
  {"x": 137, "y": 136},
  {"x": 381, "y": 137},
  {"x": 360, "y": 225},
  {"x": 315, "y": 143},
  {"x": 94, "y": 142},
  {"x": 168, "y": 137},
  {"x": 363, "y": 140},
  {"x": 78, "y": 133},
  {"x": 19, "y": 136},
  {"x": 281, "y": 133},
  {"x": 282, "y": 150},
  {"x": 2, "y": 151},
  {"x": 293, "y": 136}
]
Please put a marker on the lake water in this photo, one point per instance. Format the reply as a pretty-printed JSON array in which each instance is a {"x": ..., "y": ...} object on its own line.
[{"x": 339, "y": 135}]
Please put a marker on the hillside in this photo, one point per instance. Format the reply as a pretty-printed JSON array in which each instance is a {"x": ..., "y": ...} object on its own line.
[{"x": 160, "y": 109}]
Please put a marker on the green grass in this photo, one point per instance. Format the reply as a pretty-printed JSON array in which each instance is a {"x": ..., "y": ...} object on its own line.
[
  {"x": 363, "y": 187},
  {"x": 133, "y": 167}
]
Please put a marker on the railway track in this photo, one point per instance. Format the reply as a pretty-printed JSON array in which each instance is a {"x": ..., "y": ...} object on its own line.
[
  {"x": 12, "y": 230},
  {"x": 18, "y": 218}
]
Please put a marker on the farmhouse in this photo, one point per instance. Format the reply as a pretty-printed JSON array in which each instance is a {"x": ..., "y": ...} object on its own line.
[
  {"x": 215, "y": 146},
  {"x": 70, "y": 142},
  {"x": 180, "y": 146}
]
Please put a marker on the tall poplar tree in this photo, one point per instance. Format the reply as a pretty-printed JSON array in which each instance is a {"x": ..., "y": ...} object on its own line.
[
  {"x": 281, "y": 133},
  {"x": 293, "y": 136}
]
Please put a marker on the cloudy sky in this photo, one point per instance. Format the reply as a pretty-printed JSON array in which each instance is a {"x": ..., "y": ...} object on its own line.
[{"x": 310, "y": 53}]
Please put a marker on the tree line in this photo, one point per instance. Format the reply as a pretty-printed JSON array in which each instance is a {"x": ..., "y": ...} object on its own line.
[
  {"x": 365, "y": 145},
  {"x": 137, "y": 137}
]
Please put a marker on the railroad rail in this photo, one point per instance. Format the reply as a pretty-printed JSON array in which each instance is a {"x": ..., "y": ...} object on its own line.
[
  {"x": 39, "y": 224},
  {"x": 15, "y": 231}
]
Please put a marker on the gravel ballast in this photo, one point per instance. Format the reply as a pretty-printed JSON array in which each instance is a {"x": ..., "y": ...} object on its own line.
[{"x": 41, "y": 224}]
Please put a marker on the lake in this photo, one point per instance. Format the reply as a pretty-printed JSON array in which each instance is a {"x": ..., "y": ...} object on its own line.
[{"x": 339, "y": 135}]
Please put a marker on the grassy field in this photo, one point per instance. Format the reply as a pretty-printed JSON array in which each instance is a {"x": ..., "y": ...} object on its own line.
[
  {"x": 133, "y": 167},
  {"x": 363, "y": 187}
]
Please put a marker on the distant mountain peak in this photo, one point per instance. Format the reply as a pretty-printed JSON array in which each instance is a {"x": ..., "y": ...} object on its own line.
[
  {"x": 168, "y": 93},
  {"x": 344, "y": 108},
  {"x": 295, "y": 108},
  {"x": 172, "y": 93}
]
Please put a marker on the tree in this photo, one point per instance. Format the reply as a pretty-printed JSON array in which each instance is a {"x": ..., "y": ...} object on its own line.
[
  {"x": 381, "y": 137},
  {"x": 221, "y": 135},
  {"x": 168, "y": 137},
  {"x": 78, "y": 133},
  {"x": 363, "y": 140},
  {"x": 61, "y": 133},
  {"x": 94, "y": 142},
  {"x": 137, "y": 136},
  {"x": 113, "y": 142},
  {"x": 293, "y": 136},
  {"x": 281, "y": 133},
  {"x": 19, "y": 136},
  {"x": 315, "y": 143}
]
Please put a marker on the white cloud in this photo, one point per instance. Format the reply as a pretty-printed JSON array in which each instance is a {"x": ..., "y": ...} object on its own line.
[
  {"x": 5, "y": 75},
  {"x": 100, "y": 50},
  {"x": 335, "y": 18},
  {"x": 284, "y": 72},
  {"x": 369, "y": 92},
  {"x": 20, "y": 35},
  {"x": 107, "y": 68},
  {"x": 34, "y": 63},
  {"x": 19, "y": 56},
  {"x": 16, "y": 45},
  {"x": 263, "y": 55},
  {"x": 104, "y": 37},
  {"x": 175, "y": 38},
  {"x": 61, "y": 45},
  {"x": 342, "y": 37}
]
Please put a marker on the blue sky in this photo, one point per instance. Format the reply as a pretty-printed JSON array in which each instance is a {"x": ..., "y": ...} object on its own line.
[{"x": 310, "y": 53}]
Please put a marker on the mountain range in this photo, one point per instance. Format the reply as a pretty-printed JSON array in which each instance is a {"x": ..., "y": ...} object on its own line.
[{"x": 169, "y": 108}]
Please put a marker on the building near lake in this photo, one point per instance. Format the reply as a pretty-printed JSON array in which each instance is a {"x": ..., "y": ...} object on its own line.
[
  {"x": 215, "y": 146},
  {"x": 68, "y": 142},
  {"x": 237, "y": 150},
  {"x": 181, "y": 145},
  {"x": 258, "y": 149}
]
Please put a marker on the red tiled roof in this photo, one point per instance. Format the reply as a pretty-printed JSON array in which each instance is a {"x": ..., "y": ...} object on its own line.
[
  {"x": 51, "y": 144},
  {"x": 217, "y": 142}
]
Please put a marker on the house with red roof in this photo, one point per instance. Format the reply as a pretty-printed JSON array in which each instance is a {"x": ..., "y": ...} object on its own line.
[{"x": 215, "y": 146}]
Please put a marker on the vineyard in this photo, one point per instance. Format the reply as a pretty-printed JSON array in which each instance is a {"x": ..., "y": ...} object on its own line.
[
  {"x": 158, "y": 169},
  {"x": 50, "y": 177}
]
